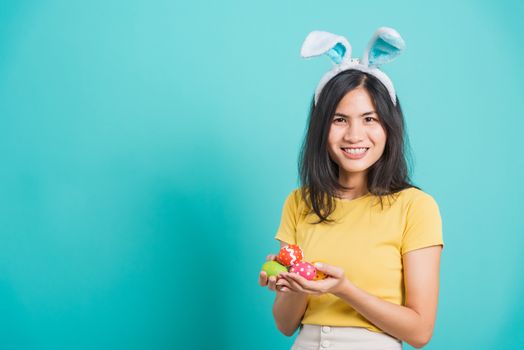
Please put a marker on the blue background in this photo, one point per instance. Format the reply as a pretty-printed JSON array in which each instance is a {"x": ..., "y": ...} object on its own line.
[{"x": 147, "y": 148}]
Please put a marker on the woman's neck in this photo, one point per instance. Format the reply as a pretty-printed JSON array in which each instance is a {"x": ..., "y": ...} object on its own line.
[{"x": 357, "y": 183}]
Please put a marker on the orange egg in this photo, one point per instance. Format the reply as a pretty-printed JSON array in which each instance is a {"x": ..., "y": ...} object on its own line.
[{"x": 320, "y": 275}]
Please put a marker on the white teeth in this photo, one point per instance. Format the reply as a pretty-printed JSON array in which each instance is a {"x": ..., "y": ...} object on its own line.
[{"x": 355, "y": 150}]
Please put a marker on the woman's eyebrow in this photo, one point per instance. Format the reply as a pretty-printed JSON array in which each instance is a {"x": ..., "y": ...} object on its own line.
[{"x": 362, "y": 115}]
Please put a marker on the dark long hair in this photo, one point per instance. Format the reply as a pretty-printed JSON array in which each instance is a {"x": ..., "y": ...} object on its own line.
[{"x": 319, "y": 173}]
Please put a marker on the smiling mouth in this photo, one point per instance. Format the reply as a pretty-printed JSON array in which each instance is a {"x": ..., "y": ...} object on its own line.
[{"x": 355, "y": 151}]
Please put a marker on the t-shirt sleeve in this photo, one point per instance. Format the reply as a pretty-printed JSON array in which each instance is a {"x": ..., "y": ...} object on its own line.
[
  {"x": 423, "y": 224},
  {"x": 288, "y": 223}
]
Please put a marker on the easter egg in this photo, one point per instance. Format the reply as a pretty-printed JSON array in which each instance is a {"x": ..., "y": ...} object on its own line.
[
  {"x": 304, "y": 269},
  {"x": 290, "y": 255},
  {"x": 273, "y": 268},
  {"x": 319, "y": 275}
]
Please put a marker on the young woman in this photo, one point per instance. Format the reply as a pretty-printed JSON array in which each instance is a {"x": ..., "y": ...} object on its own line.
[{"x": 378, "y": 237}]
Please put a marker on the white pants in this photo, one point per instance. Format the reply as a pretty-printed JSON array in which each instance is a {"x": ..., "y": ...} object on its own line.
[{"x": 315, "y": 337}]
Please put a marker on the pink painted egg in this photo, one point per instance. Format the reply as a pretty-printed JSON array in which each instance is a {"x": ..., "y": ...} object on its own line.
[{"x": 304, "y": 269}]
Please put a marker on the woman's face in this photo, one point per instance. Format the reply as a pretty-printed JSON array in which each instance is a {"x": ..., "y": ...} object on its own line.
[{"x": 356, "y": 136}]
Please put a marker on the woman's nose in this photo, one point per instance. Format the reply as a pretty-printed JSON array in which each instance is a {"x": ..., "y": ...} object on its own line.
[{"x": 354, "y": 133}]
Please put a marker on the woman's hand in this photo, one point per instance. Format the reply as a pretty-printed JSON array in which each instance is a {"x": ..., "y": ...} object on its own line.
[
  {"x": 273, "y": 283},
  {"x": 333, "y": 283},
  {"x": 263, "y": 280}
]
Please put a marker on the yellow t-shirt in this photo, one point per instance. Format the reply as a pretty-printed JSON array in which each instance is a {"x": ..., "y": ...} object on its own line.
[{"x": 367, "y": 242}]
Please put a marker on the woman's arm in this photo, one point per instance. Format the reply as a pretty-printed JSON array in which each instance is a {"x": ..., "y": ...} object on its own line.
[
  {"x": 288, "y": 309},
  {"x": 414, "y": 322}
]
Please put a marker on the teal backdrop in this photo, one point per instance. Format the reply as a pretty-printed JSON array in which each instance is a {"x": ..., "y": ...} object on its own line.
[{"x": 147, "y": 148}]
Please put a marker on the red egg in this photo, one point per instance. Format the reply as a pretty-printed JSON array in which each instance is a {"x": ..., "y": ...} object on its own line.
[
  {"x": 304, "y": 269},
  {"x": 290, "y": 255}
]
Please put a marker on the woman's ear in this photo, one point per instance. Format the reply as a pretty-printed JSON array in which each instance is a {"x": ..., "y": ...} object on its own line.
[
  {"x": 336, "y": 47},
  {"x": 385, "y": 45}
]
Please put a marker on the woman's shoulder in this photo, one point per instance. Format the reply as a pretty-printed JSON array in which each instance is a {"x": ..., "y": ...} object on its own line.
[
  {"x": 295, "y": 195},
  {"x": 413, "y": 195},
  {"x": 299, "y": 197},
  {"x": 295, "y": 202}
]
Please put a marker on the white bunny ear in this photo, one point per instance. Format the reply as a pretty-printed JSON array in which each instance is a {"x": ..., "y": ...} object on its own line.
[
  {"x": 385, "y": 45},
  {"x": 336, "y": 47}
]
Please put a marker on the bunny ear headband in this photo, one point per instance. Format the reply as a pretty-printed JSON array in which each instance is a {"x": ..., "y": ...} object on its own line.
[{"x": 385, "y": 45}]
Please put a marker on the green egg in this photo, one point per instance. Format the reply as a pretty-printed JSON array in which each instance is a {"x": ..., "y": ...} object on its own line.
[{"x": 273, "y": 268}]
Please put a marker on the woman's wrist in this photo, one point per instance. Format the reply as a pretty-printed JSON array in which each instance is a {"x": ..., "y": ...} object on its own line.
[{"x": 343, "y": 289}]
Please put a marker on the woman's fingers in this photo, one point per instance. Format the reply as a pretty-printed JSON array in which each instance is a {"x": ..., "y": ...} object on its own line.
[
  {"x": 281, "y": 282},
  {"x": 330, "y": 270},
  {"x": 262, "y": 278},
  {"x": 282, "y": 285},
  {"x": 297, "y": 281},
  {"x": 272, "y": 283},
  {"x": 271, "y": 257},
  {"x": 293, "y": 284}
]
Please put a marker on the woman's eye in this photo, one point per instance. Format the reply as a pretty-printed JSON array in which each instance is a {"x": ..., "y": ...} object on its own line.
[
  {"x": 369, "y": 119},
  {"x": 339, "y": 119}
]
